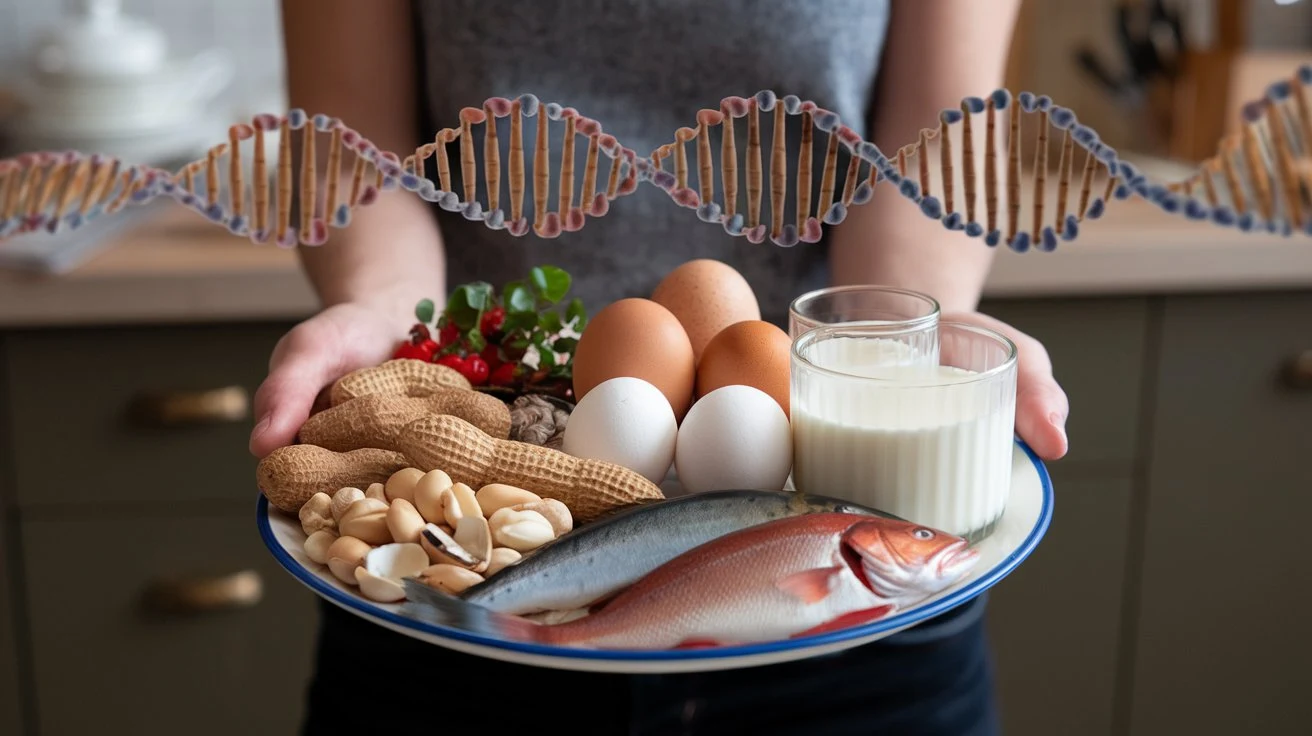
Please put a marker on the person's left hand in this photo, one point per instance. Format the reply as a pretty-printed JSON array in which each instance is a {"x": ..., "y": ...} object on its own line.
[{"x": 1041, "y": 404}]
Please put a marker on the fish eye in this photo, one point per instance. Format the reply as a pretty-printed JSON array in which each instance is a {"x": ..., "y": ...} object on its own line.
[{"x": 923, "y": 534}]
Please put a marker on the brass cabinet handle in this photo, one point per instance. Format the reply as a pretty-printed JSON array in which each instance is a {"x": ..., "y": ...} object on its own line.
[
  {"x": 229, "y": 404},
  {"x": 1298, "y": 371},
  {"x": 244, "y": 589}
]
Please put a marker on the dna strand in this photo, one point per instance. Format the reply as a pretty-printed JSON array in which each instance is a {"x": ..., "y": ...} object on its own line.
[{"x": 1259, "y": 179}]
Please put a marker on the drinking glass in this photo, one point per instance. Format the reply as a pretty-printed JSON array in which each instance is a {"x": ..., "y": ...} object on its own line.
[
  {"x": 874, "y": 304},
  {"x": 929, "y": 443},
  {"x": 909, "y": 318}
]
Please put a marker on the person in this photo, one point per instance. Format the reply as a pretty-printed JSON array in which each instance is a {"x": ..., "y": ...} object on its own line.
[{"x": 397, "y": 72}]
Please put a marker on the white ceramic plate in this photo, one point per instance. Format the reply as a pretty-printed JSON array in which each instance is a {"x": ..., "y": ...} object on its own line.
[{"x": 1018, "y": 532}]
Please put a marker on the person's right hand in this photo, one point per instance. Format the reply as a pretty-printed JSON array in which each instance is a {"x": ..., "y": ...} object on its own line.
[{"x": 310, "y": 357}]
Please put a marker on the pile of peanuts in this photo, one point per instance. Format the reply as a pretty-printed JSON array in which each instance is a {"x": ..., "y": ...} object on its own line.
[{"x": 425, "y": 526}]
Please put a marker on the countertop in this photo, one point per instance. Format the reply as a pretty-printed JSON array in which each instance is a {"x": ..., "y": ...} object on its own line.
[{"x": 177, "y": 268}]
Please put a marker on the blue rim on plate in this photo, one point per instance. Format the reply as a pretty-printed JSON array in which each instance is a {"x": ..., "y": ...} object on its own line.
[{"x": 954, "y": 599}]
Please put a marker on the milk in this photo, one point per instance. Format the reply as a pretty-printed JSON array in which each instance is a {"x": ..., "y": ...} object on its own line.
[{"x": 929, "y": 443}]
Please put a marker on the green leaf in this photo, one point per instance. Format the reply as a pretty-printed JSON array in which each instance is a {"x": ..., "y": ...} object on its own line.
[
  {"x": 467, "y": 304},
  {"x": 479, "y": 295},
  {"x": 552, "y": 283},
  {"x": 458, "y": 310},
  {"x": 518, "y": 299},
  {"x": 519, "y": 343},
  {"x": 476, "y": 341},
  {"x": 424, "y": 310},
  {"x": 517, "y": 321},
  {"x": 577, "y": 314},
  {"x": 550, "y": 322},
  {"x": 566, "y": 345}
]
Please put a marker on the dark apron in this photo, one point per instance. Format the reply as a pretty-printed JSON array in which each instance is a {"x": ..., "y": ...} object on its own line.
[{"x": 932, "y": 680}]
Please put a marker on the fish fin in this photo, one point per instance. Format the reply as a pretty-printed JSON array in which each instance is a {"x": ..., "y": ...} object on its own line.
[
  {"x": 697, "y": 644},
  {"x": 809, "y": 585},
  {"x": 430, "y": 605},
  {"x": 847, "y": 620}
]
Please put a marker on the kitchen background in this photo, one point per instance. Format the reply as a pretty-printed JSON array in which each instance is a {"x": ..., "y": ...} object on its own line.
[
  {"x": 250, "y": 30},
  {"x": 1169, "y": 596}
]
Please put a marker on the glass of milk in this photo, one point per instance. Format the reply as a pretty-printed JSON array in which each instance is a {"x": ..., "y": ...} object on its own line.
[
  {"x": 873, "y": 304},
  {"x": 906, "y": 320},
  {"x": 929, "y": 443}
]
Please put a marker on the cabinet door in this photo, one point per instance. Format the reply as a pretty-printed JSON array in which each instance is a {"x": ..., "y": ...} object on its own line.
[
  {"x": 164, "y": 416},
  {"x": 1097, "y": 352},
  {"x": 1222, "y": 645},
  {"x": 10, "y": 704},
  {"x": 1055, "y": 624},
  {"x": 106, "y": 653}
]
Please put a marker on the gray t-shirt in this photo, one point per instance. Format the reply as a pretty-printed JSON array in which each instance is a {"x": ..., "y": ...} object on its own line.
[{"x": 642, "y": 68}]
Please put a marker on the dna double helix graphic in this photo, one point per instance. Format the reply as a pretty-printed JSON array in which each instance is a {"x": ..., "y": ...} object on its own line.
[{"x": 1259, "y": 179}]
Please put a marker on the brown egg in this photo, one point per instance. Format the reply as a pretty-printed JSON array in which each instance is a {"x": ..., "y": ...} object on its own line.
[
  {"x": 751, "y": 353},
  {"x": 636, "y": 338},
  {"x": 706, "y": 296}
]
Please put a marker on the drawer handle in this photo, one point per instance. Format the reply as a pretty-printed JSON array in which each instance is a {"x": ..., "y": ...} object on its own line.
[
  {"x": 1298, "y": 371},
  {"x": 244, "y": 589},
  {"x": 229, "y": 404}
]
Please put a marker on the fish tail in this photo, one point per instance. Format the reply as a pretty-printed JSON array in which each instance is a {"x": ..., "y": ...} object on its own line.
[{"x": 428, "y": 604}]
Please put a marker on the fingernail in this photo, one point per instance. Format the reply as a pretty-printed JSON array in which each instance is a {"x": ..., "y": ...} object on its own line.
[{"x": 262, "y": 426}]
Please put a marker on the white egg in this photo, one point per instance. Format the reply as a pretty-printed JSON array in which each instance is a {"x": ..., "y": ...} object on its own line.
[
  {"x": 735, "y": 437},
  {"x": 626, "y": 421}
]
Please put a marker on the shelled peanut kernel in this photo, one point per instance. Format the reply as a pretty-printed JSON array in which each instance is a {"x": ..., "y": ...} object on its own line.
[{"x": 468, "y": 536}]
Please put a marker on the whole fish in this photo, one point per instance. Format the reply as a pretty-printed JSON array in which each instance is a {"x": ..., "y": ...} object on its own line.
[
  {"x": 787, "y": 578},
  {"x": 602, "y": 557}
]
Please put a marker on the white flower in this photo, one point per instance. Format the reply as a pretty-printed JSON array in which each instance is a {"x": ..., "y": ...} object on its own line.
[{"x": 532, "y": 358}]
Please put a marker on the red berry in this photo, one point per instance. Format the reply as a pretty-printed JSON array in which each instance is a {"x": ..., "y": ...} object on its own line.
[
  {"x": 452, "y": 361},
  {"x": 504, "y": 375},
  {"x": 419, "y": 333},
  {"x": 492, "y": 355},
  {"x": 427, "y": 349},
  {"x": 410, "y": 350},
  {"x": 476, "y": 370},
  {"x": 492, "y": 321},
  {"x": 448, "y": 335}
]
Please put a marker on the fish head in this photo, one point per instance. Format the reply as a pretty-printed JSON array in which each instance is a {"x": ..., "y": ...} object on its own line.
[{"x": 904, "y": 563}]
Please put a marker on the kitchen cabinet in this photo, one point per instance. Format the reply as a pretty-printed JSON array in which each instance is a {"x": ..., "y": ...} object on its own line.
[
  {"x": 11, "y": 702},
  {"x": 1222, "y": 645},
  {"x": 1097, "y": 348},
  {"x": 1055, "y": 624},
  {"x": 107, "y": 650},
  {"x": 164, "y": 417},
  {"x": 11, "y": 712},
  {"x": 151, "y": 602}
]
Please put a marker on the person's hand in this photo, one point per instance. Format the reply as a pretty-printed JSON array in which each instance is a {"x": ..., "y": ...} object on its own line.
[
  {"x": 309, "y": 358},
  {"x": 1041, "y": 404}
]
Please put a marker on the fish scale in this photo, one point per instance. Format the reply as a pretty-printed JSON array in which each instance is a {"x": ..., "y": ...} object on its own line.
[
  {"x": 597, "y": 559},
  {"x": 697, "y": 597},
  {"x": 785, "y": 578}
]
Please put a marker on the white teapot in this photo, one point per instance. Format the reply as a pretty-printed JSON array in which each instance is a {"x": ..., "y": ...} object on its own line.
[{"x": 103, "y": 79}]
